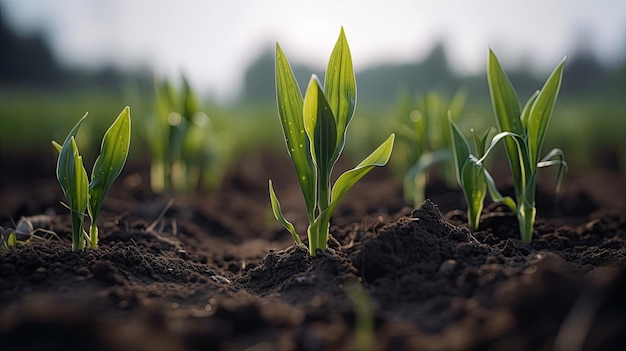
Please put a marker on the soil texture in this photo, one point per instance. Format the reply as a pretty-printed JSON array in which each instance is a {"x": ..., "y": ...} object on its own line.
[{"x": 218, "y": 272}]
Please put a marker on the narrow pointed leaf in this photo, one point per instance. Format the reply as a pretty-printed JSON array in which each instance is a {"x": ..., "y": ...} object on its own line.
[
  {"x": 278, "y": 214},
  {"x": 474, "y": 188},
  {"x": 321, "y": 128},
  {"x": 495, "y": 194},
  {"x": 506, "y": 107},
  {"x": 526, "y": 110},
  {"x": 57, "y": 146},
  {"x": 340, "y": 89},
  {"x": 290, "y": 111},
  {"x": 504, "y": 99},
  {"x": 541, "y": 112},
  {"x": 65, "y": 160},
  {"x": 549, "y": 160},
  {"x": 461, "y": 151},
  {"x": 378, "y": 158},
  {"x": 109, "y": 164}
]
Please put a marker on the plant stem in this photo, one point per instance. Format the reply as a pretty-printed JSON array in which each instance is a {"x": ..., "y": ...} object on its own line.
[
  {"x": 78, "y": 225},
  {"x": 93, "y": 234},
  {"x": 526, "y": 219}
]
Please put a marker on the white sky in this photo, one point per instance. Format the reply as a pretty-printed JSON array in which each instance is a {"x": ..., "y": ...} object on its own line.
[{"x": 214, "y": 41}]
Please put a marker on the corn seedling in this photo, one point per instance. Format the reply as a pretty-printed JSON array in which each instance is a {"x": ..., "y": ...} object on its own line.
[
  {"x": 424, "y": 141},
  {"x": 470, "y": 177},
  {"x": 83, "y": 195},
  {"x": 315, "y": 130},
  {"x": 523, "y": 131},
  {"x": 182, "y": 141}
]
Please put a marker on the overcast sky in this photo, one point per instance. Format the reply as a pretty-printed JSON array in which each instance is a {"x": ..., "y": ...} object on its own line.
[{"x": 214, "y": 41}]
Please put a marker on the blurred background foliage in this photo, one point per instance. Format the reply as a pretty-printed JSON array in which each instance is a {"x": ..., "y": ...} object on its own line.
[{"x": 40, "y": 99}]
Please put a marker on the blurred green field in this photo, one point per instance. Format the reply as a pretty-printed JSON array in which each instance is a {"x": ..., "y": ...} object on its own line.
[{"x": 591, "y": 131}]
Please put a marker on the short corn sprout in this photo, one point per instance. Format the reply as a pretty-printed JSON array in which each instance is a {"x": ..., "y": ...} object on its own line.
[
  {"x": 424, "y": 141},
  {"x": 315, "y": 131},
  {"x": 523, "y": 132},
  {"x": 182, "y": 140},
  {"x": 83, "y": 195}
]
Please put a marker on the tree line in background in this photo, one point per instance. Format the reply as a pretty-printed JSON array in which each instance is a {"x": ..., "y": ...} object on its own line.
[{"x": 28, "y": 62}]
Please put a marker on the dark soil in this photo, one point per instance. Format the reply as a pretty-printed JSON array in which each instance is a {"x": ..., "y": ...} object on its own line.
[{"x": 217, "y": 272}]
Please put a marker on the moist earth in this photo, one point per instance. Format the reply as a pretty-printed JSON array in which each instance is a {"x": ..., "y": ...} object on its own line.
[{"x": 215, "y": 271}]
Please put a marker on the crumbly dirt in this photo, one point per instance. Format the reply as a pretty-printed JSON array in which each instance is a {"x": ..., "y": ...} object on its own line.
[{"x": 217, "y": 272}]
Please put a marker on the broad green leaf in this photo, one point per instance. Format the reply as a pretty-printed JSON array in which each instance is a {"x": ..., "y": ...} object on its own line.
[
  {"x": 505, "y": 102},
  {"x": 340, "y": 89},
  {"x": 320, "y": 125},
  {"x": 506, "y": 107},
  {"x": 321, "y": 128},
  {"x": 278, "y": 214},
  {"x": 290, "y": 111},
  {"x": 378, "y": 158},
  {"x": 109, "y": 164},
  {"x": 541, "y": 111}
]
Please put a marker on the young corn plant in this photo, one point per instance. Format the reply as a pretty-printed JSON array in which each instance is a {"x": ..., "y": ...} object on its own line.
[
  {"x": 523, "y": 132},
  {"x": 424, "y": 140},
  {"x": 84, "y": 195},
  {"x": 315, "y": 132},
  {"x": 182, "y": 141},
  {"x": 470, "y": 176}
]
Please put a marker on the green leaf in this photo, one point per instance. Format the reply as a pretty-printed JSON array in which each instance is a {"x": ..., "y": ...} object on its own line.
[
  {"x": 77, "y": 195},
  {"x": 65, "y": 167},
  {"x": 278, "y": 214},
  {"x": 57, "y": 146},
  {"x": 474, "y": 188},
  {"x": 461, "y": 150},
  {"x": 340, "y": 89},
  {"x": 109, "y": 164},
  {"x": 378, "y": 158},
  {"x": 526, "y": 111},
  {"x": 548, "y": 161},
  {"x": 495, "y": 194},
  {"x": 541, "y": 111},
  {"x": 290, "y": 111},
  {"x": 506, "y": 107},
  {"x": 504, "y": 99},
  {"x": 321, "y": 128}
]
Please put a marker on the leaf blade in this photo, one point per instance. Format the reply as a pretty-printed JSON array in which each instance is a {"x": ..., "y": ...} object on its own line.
[
  {"x": 340, "y": 89},
  {"x": 290, "y": 110},
  {"x": 109, "y": 164},
  {"x": 541, "y": 111}
]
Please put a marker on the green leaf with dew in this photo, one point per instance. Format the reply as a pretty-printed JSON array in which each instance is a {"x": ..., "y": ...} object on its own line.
[
  {"x": 290, "y": 110},
  {"x": 340, "y": 89},
  {"x": 110, "y": 162}
]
